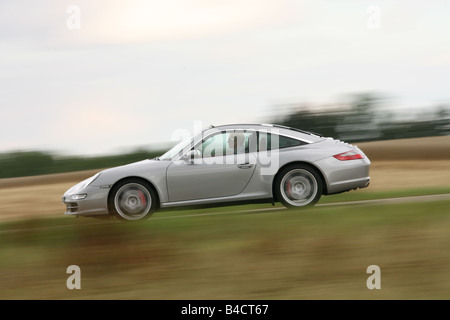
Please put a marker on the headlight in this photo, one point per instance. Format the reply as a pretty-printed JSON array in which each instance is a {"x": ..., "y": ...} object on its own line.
[{"x": 78, "y": 196}]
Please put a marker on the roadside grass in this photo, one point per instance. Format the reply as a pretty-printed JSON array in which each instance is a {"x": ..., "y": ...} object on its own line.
[
  {"x": 241, "y": 252},
  {"x": 359, "y": 195},
  {"x": 367, "y": 194}
]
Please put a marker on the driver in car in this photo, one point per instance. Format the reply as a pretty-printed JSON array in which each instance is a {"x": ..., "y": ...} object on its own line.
[{"x": 236, "y": 143}]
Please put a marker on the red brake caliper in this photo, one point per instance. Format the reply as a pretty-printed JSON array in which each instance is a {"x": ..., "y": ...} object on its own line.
[
  {"x": 142, "y": 197},
  {"x": 288, "y": 188}
]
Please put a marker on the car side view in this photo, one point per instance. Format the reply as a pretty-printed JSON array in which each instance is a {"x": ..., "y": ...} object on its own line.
[{"x": 225, "y": 165}]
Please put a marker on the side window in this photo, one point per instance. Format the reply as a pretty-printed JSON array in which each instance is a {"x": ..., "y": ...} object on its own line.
[
  {"x": 268, "y": 141},
  {"x": 286, "y": 142},
  {"x": 264, "y": 141},
  {"x": 214, "y": 146},
  {"x": 237, "y": 142},
  {"x": 227, "y": 143}
]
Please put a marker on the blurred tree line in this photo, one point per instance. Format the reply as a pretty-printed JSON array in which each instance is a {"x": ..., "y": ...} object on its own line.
[
  {"x": 365, "y": 118},
  {"x": 30, "y": 163}
]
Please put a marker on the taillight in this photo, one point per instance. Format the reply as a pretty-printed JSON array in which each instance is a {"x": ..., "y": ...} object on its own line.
[{"x": 349, "y": 155}]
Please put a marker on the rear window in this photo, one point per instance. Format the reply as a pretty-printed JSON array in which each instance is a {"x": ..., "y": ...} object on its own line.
[{"x": 268, "y": 141}]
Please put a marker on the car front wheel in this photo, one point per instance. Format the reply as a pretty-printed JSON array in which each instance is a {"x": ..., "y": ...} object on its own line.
[
  {"x": 298, "y": 186},
  {"x": 132, "y": 200}
]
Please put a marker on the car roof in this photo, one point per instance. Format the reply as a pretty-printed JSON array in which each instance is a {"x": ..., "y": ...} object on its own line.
[{"x": 272, "y": 128}]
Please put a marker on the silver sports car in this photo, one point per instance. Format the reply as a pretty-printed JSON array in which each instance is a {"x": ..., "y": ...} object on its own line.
[{"x": 225, "y": 165}]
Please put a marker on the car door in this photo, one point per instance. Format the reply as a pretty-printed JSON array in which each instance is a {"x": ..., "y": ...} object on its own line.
[{"x": 218, "y": 171}]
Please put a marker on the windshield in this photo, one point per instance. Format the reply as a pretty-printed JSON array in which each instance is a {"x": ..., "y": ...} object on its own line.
[{"x": 177, "y": 150}]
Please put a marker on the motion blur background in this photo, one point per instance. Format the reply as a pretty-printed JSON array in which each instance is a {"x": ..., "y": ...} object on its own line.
[{"x": 87, "y": 85}]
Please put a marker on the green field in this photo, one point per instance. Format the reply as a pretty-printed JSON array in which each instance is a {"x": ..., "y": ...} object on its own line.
[{"x": 243, "y": 252}]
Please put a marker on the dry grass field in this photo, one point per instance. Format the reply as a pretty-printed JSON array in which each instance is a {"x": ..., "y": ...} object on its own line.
[
  {"x": 424, "y": 149},
  {"x": 396, "y": 164}
]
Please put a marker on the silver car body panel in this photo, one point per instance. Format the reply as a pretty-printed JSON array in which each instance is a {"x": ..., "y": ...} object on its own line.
[
  {"x": 204, "y": 179},
  {"x": 180, "y": 182}
]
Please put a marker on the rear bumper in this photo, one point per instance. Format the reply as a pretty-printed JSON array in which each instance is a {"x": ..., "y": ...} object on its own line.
[
  {"x": 343, "y": 176},
  {"x": 348, "y": 185}
]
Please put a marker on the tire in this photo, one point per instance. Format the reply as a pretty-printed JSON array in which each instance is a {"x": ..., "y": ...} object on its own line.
[
  {"x": 132, "y": 200},
  {"x": 298, "y": 185}
]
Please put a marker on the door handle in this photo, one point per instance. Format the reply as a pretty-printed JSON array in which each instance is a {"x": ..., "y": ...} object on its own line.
[{"x": 245, "y": 165}]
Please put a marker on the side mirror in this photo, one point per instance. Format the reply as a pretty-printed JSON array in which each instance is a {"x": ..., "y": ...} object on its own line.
[{"x": 191, "y": 155}]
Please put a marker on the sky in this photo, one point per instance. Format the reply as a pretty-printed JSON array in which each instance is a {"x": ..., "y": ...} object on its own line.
[{"x": 102, "y": 77}]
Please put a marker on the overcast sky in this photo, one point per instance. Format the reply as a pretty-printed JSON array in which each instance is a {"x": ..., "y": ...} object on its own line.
[{"x": 93, "y": 77}]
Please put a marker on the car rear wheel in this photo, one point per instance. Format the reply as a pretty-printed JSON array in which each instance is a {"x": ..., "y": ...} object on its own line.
[
  {"x": 298, "y": 186},
  {"x": 132, "y": 199}
]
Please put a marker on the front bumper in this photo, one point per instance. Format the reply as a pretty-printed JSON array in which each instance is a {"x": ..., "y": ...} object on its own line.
[{"x": 95, "y": 203}]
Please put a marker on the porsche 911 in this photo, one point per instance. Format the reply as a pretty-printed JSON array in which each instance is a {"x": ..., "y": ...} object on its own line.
[{"x": 225, "y": 165}]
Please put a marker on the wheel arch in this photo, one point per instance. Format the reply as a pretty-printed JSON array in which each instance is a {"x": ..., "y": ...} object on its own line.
[
  {"x": 319, "y": 172},
  {"x": 150, "y": 184}
]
